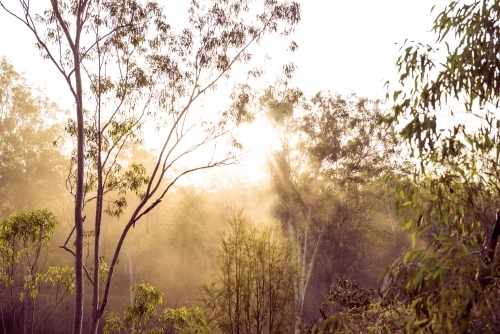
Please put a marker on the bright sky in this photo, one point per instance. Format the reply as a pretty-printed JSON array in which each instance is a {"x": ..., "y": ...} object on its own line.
[{"x": 344, "y": 46}]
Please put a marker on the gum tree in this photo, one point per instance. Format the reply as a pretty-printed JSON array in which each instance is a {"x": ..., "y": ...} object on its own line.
[
  {"x": 29, "y": 162},
  {"x": 252, "y": 290},
  {"x": 448, "y": 103},
  {"x": 24, "y": 242},
  {"x": 125, "y": 66},
  {"x": 325, "y": 177}
]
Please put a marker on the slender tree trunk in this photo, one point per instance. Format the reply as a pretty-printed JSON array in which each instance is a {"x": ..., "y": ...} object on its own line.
[
  {"x": 77, "y": 327},
  {"x": 491, "y": 242},
  {"x": 95, "y": 294},
  {"x": 79, "y": 231},
  {"x": 78, "y": 216},
  {"x": 33, "y": 306},
  {"x": 129, "y": 271},
  {"x": 305, "y": 267},
  {"x": 3, "y": 319},
  {"x": 26, "y": 315},
  {"x": 97, "y": 227}
]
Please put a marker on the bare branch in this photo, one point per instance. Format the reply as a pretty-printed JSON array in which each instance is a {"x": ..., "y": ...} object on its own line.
[{"x": 72, "y": 252}]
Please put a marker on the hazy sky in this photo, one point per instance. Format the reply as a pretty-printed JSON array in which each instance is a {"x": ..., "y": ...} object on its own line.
[
  {"x": 344, "y": 46},
  {"x": 349, "y": 45}
]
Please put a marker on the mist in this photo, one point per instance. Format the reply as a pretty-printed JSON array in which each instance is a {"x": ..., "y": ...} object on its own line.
[
  {"x": 193, "y": 185},
  {"x": 337, "y": 216}
]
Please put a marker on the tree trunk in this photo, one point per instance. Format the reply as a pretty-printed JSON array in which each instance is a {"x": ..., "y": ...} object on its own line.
[
  {"x": 78, "y": 94},
  {"x": 3, "y": 319},
  {"x": 75, "y": 48},
  {"x": 77, "y": 327},
  {"x": 305, "y": 268},
  {"x": 97, "y": 230},
  {"x": 26, "y": 314},
  {"x": 491, "y": 242}
]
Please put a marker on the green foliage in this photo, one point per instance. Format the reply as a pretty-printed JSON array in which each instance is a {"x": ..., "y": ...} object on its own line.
[
  {"x": 450, "y": 276},
  {"x": 187, "y": 320},
  {"x": 350, "y": 308},
  {"x": 119, "y": 176},
  {"x": 344, "y": 140},
  {"x": 23, "y": 235},
  {"x": 253, "y": 288},
  {"x": 62, "y": 277},
  {"x": 446, "y": 278},
  {"x": 147, "y": 298},
  {"x": 124, "y": 65},
  {"x": 468, "y": 76},
  {"x": 114, "y": 323},
  {"x": 142, "y": 317},
  {"x": 24, "y": 247},
  {"x": 25, "y": 228},
  {"x": 138, "y": 316}
]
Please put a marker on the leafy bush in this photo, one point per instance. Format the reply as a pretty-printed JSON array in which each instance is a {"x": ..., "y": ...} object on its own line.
[{"x": 350, "y": 308}]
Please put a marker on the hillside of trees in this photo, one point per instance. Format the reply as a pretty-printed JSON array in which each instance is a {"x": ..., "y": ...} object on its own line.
[{"x": 374, "y": 216}]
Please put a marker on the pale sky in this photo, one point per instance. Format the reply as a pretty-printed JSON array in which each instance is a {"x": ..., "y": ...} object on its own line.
[{"x": 344, "y": 46}]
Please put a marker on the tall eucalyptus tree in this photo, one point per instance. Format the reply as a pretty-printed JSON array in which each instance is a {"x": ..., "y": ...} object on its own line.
[
  {"x": 447, "y": 101},
  {"x": 124, "y": 65}
]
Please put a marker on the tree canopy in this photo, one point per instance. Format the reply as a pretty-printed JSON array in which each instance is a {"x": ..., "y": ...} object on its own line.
[
  {"x": 32, "y": 167},
  {"x": 124, "y": 65},
  {"x": 451, "y": 279}
]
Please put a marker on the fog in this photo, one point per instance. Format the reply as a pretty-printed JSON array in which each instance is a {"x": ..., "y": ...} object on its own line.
[
  {"x": 211, "y": 203},
  {"x": 336, "y": 214}
]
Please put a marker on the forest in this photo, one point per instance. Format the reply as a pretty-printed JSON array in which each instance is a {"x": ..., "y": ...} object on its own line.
[{"x": 370, "y": 215}]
